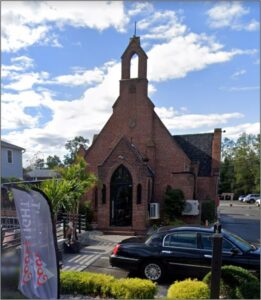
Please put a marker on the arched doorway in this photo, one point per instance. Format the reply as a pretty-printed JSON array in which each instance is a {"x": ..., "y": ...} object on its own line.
[{"x": 121, "y": 197}]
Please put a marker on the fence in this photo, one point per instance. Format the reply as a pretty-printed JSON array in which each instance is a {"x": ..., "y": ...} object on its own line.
[{"x": 10, "y": 229}]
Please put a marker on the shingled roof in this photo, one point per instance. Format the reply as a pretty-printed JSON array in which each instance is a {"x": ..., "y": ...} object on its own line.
[{"x": 198, "y": 148}]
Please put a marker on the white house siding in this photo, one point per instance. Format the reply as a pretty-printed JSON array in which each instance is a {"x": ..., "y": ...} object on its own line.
[{"x": 14, "y": 169}]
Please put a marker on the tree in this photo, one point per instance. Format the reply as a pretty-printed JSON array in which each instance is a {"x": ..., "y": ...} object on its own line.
[
  {"x": 39, "y": 163},
  {"x": 80, "y": 182},
  {"x": 240, "y": 165},
  {"x": 174, "y": 203},
  {"x": 67, "y": 192},
  {"x": 79, "y": 179},
  {"x": 246, "y": 162},
  {"x": 227, "y": 176},
  {"x": 73, "y": 147},
  {"x": 53, "y": 161},
  {"x": 57, "y": 191}
]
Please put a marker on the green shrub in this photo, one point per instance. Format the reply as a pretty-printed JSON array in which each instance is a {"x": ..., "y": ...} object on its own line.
[
  {"x": 208, "y": 211},
  {"x": 174, "y": 203},
  {"x": 234, "y": 282},
  {"x": 133, "y": 288},
  {"x": 188, "y": 289},
  {"x": 248, "y": 290},
  {"x": 86, "y": 283},
  {"x": 101, "y": 285}
]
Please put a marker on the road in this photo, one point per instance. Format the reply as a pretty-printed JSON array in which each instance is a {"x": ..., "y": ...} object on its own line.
[{"x": 242, "y": 219}]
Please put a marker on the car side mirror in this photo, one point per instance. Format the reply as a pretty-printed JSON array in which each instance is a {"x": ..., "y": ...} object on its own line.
[{"x": 234, "y": 251}]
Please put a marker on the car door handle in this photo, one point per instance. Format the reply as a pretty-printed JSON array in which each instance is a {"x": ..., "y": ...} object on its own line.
[
  {"x": 207, "y": 256},
  {"x": 165, "y": 251}
]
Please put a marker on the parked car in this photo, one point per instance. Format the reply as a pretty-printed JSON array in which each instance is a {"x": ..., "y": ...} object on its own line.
[
  {"x": 258, "y": 202},
  {"x": 251, "y": 198},
  {"x": 241, "y": 197},
  {"x": 182, "y": 251}
]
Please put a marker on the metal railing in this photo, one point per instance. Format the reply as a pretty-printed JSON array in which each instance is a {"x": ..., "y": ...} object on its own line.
[{"x": 10, "y": 228}]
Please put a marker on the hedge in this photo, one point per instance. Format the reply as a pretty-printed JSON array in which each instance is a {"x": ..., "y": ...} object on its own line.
[
  {"x": 101, "y": 285},
  {"x": 236, "y": 283},
  {"x": 188, "y": 289}
]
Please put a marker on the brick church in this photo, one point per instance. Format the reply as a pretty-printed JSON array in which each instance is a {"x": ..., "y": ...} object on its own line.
[{"x": 135, "y": 157}]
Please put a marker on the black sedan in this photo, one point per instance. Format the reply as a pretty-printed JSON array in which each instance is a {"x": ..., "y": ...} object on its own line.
[{"x": 182, "y": 250}]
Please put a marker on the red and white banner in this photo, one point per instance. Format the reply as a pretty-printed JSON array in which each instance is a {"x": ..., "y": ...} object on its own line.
[{"x": 39, "y": 270}]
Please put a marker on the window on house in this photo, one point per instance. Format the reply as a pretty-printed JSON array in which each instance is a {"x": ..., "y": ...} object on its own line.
[
  {"x": 10, "y": 156},
  {"x": 104, "y": 194},
  {"x": 139, "y": 190}
]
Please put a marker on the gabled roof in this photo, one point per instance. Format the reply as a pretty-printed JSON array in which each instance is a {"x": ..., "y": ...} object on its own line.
[
  {"x": 133, "y": 149},
  {"x": 198, "y": 148},
  {"x": 134, "y": 44},
  {"x": 11, "y": 146}
]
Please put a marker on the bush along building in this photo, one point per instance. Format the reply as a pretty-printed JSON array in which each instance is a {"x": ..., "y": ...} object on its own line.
[{"x": 135, "y": 157}]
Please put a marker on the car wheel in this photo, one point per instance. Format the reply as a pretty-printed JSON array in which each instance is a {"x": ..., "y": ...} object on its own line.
[
  {"x": 252, "y": 201},
  {"x": 153, "y": 271}
]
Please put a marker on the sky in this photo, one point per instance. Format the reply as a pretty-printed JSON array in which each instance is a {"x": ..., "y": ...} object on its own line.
[{"x": 61, "y": 66}]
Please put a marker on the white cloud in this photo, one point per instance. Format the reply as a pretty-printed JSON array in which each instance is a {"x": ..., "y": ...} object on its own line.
[
  {"x": 14, "y": 117},
  {"x": 252, "y": 26},
  {"x": 80, "y": 77},
  {"x": 15, "y": 37},
  {"x": 162, "y": 25},
  {"x": 84, "y": 116},
  {"x": 184, "y": 54},
  {"x": 19, "y": 63},
  {"x": 26, "y": 81},
  {"x": 238, "y": 74},
  {"x": 229, "y": 14},
  {"x": 30, "y": 22},
  {"x": 141, "y": 8},
  {"x": 175, "y": 120},
  {"x": 235, "y": 131}
]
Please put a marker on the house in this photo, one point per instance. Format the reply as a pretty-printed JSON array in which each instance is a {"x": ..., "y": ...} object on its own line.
[
  {"x": 11, "y": 160},
  {"x": 135, "y": 157}
]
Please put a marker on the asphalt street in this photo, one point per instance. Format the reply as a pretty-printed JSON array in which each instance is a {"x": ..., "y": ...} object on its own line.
[{"x": 242, "y": 219}]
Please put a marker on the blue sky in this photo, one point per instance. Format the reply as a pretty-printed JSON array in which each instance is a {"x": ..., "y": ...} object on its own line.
[{"x": 61, "y": 67}]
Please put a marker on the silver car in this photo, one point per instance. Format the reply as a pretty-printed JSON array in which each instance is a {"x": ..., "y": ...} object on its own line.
[{"x": 251, "y": 198}]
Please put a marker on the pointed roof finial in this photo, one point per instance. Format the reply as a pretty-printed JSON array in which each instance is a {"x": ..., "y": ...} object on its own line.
[{"x": 135, "y": 29}]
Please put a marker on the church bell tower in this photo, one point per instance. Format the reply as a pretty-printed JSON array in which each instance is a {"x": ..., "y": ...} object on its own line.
[{"x": 140, "y": 83}]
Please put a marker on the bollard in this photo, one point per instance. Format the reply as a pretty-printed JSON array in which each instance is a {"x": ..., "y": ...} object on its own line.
[{"x": 216, "y": 263}]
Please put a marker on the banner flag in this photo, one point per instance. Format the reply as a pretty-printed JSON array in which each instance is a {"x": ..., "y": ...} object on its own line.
[{"x": 39, "y": 269}]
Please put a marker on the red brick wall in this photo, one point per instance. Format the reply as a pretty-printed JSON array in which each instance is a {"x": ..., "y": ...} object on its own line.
[{"x": 134, "y": 120}]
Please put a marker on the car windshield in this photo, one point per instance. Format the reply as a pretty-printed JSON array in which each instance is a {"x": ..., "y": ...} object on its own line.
[{"x": 242, "y": 244}]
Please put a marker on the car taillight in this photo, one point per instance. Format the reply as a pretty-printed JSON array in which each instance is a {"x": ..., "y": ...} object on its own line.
[{"x": 116, "y": 248}]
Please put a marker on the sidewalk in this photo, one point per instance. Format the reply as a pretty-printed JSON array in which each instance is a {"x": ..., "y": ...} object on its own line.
[{"x": 97, "y": 246}]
